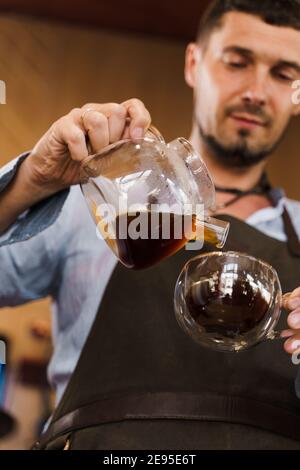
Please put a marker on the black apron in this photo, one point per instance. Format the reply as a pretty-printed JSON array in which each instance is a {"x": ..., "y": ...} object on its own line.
[{"x": 142, "y": 383}]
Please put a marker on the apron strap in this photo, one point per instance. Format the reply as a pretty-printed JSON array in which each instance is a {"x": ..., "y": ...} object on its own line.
[{"x": 275, "y": 195}]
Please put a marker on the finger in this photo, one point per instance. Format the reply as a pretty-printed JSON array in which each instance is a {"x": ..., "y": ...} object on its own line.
[
  {"x": 126, "y": 132},
  {"x": 287, "y": 333},
  {"x": 77, "y": 145},
  {"x": 117, "y": 124},
  {"x": 65, "y": 132},
  {"x": 296, "y": 292},
  {"x": 291, "y": 300},
  {"x": 96, "y": 127},
  {"x": 116, "y": 115},
  {"x": 294, "y": 319},
  {"x": 140, "y": 118},
  {"x": 105, "y": 108},
  {"x": 293, "y": 343}
]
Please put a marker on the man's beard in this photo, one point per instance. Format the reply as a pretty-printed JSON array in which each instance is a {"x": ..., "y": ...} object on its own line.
[{"x": 238, "y": 155}]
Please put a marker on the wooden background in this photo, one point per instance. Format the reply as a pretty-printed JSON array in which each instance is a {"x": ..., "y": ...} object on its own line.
[{"x": 177, "y": 20}]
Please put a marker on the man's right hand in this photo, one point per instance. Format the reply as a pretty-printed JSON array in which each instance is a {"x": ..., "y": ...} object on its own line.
[
  {"x": 55, "y": 160},
  {"x": 54, "y": 163}
]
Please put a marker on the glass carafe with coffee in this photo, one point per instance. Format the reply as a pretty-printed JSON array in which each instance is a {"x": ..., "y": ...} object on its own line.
[{"x": 149, "y": 198}]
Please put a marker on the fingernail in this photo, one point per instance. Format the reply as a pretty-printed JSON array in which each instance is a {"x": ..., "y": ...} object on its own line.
[
  {"x": 137, "y": 132},
  {"x": 287, "y": 333},
  {"x": 294, "y": 303},
  {"x": 295, "y": 321},
  {"x": 295, "y": 345}
]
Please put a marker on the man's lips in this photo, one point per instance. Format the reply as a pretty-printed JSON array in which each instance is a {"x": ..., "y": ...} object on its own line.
[{"x": 247, "y": 120}]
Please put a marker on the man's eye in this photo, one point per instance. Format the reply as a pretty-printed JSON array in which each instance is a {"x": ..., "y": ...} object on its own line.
[
  {"x": 284, "y": 77},
  {"x": 235, "y": 60},
  {"x": 237, "y": 65}
]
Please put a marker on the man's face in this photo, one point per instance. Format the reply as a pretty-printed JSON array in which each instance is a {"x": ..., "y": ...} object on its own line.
[{"x": 242, "y": 80}]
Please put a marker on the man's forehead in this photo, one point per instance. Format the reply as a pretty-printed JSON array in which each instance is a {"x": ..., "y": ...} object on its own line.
[{"x": 251, "y": 32}]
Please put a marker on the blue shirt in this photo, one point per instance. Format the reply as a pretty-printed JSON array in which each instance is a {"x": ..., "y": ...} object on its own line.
[{"x": 53, "y": 250}]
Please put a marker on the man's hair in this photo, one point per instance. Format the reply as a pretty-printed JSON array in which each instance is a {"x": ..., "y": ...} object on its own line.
[{"x": 273, "y": 12}]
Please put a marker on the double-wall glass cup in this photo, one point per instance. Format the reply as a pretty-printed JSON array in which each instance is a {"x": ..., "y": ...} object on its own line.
[{"x": 228, "y": 301}]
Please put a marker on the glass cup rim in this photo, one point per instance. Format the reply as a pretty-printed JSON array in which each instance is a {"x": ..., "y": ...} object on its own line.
[
  {"x": 235, "y": 254},
  {"x": 238, "y": 254}
]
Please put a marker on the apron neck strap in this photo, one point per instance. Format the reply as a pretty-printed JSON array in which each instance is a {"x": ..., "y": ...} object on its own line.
[{"x": 275, "y": 195}]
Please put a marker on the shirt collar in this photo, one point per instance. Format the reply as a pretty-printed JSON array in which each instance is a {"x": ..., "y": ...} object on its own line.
[{"x": 268, "y": 214}]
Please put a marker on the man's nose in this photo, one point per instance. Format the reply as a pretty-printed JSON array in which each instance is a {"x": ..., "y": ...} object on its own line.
[{"x": 256, "y": 91}]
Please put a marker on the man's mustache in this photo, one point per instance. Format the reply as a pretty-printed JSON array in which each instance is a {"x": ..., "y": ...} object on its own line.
[{"x": 251, "y": 109}]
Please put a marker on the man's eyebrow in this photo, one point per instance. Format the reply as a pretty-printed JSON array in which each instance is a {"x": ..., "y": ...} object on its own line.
[{"x": 239, "y": 50}]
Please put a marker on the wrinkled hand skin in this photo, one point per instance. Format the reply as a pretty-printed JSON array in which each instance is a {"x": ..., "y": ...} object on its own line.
[{"x": 56, "y": 159}]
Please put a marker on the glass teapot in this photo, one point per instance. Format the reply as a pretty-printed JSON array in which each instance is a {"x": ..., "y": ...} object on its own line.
[{"x": 149, "y": 198}]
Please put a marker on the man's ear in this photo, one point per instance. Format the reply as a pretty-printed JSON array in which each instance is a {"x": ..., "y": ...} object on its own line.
[
  {"x": 296, "y": 98},
  {"x": 192, "y": 54}
]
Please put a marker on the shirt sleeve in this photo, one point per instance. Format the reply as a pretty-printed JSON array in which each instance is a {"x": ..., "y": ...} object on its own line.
[
  {"x": 37, "y": 218},
  {"x": 30, "y": 270},
  {"x": 31, "y": 249}
]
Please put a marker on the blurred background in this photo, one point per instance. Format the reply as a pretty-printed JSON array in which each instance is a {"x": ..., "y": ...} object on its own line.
[{"x": 58, "y": 55}]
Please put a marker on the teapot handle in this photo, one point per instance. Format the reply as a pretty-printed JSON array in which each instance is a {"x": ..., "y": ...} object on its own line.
[{"x": 153, "y": 133}]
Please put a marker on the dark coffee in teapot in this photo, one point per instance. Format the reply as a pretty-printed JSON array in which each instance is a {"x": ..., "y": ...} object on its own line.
[{"x": 144, "y": 239}]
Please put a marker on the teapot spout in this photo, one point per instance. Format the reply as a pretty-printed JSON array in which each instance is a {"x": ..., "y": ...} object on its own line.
[{"x": 215, "y": 231}]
